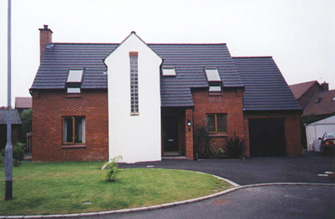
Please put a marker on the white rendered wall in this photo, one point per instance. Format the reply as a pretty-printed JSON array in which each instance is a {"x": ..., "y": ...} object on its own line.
[
  {"x": 315, "y": 130},
  {"x": 135, "y": 138}
]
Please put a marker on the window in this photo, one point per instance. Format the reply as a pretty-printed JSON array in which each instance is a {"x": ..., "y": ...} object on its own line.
[
  {"x": 217, "y": 123},
  {"x": 75, "y": 76},
  {"x": 169, "y": 71},
  {"x": 74, "y": 130},
  {"x": 74, "y": 80},
  {"x": 73, "y": 90},
  {"x": 318, "y": 100},
  {"x": 212, "y": 74},
  {"x": 215, "y": 88},
  {"x": 213, "y": 79},
  {"x": 134, "y": 103},
  {"x": 333, "y": 99}
]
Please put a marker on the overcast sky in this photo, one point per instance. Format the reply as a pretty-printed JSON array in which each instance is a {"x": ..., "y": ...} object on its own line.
[{"x": 299, "y": 34}]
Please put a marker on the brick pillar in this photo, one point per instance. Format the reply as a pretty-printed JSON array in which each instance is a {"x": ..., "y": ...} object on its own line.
[{"x": 189, "y": 134}]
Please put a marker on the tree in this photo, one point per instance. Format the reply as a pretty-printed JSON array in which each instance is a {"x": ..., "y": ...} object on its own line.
[{"x": 26, "y": 119}]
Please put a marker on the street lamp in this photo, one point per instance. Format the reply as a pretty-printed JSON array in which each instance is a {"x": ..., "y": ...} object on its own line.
[{"x": 9, "y": 147}]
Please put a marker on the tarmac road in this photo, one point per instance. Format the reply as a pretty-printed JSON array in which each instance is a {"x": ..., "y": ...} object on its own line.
[{"x": 271, "y": 201}]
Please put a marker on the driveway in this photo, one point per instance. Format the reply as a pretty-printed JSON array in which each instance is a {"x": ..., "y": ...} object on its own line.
[
  {"x": 257, "y": 170},
  {"x": 315, "y": 200}
]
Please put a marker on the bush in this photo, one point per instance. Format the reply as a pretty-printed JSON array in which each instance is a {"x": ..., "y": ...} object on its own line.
[
  {"x": 202, "y": 139},
  {"x": 18, "y": 151},
  {"x": 112, "y": 167},
  {"x": 235, "y": 147}
]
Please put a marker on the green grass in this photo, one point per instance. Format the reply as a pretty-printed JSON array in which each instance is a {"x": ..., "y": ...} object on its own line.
[{"x": 58, "y": 188}]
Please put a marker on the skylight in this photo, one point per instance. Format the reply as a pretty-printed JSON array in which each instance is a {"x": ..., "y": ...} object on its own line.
[
  {"x": 169, "y": 71},
  {"x": 75, "y": 76},
  {"x": 333, "y": 99},
  {"x": 212, "y": 74}
]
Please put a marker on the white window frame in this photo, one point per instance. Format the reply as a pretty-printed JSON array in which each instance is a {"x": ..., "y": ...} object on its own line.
[
  {"x": 75, "y": 76},
  {"x": 212, "y": 75},
  {"x": 169, "y": 71}
]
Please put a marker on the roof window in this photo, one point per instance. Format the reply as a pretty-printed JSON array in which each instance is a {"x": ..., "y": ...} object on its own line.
[
  {"x": 75, "y": 76},
  {"x": 333, "y": 99},
  {"x": 212, "y": 74},
  {"x": 169, "y": 71},
  {"x": 215, "y": 88},
  {"x": 318, "y": 100},
  {"x": 73, "y": 90}
]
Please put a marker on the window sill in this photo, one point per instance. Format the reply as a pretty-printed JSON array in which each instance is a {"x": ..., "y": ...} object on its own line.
[
  {"x": 218, "y": 135},
  {"x": 73, "y": 146},
  {"x": 134, "y": 114},
  {"x": 73, "y": 96}
]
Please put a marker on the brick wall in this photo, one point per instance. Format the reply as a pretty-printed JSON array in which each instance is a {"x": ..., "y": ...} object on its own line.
[
  {"x": 230, "y": 101},
  {"x": 49, "y": 107},
  {"x": 292, "y": 129}
]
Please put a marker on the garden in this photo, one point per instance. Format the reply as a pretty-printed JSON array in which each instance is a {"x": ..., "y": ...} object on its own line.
[{"x": 72, "y": 187}]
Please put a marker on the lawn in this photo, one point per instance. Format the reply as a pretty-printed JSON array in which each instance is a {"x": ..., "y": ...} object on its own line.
[{"x": 71, "y": 187}]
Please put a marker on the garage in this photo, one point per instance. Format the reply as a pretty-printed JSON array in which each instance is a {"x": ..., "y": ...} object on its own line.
[{"x": 267, "y": 137}]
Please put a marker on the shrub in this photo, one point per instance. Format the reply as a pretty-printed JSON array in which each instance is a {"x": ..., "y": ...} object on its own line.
[
  {"x": 202, "y": 139},
  {"x": 235, "y": 147},
  {"x": 18, "y": 151},
  {"x": 112, "y": 167}
]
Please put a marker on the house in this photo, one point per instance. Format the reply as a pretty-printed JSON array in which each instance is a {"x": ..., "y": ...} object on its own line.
[
  {"x": 15, "y": 121},
  {"x": 22, "y": 104},
  {"x": 304, "y": 92},
  {"x": 94, "y": 101}
]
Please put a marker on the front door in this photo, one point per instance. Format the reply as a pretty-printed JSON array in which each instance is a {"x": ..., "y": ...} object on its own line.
[{"x": 170, "y": 124}]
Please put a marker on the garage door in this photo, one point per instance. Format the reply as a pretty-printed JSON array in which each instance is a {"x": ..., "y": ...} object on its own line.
[{"x": 267, "y": 137}]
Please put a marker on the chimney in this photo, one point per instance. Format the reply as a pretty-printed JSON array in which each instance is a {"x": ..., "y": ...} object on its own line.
[
  {"x": 325, "y": 86},
  {"x": 45, "y": 38}
]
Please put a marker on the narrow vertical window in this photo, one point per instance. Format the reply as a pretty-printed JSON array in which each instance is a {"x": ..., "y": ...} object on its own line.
[{"x": 134, "y": 104}]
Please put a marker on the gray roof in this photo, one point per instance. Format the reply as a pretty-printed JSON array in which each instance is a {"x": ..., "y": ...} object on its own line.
[
  {"x": 59, "y": 58},
  {"x": 15, "y": 119},
  {"x": 189, "y": 61},
  {"x": 265, "y": 87}
]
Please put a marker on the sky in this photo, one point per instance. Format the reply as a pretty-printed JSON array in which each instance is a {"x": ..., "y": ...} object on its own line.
[{"x": 298, "y": 34}]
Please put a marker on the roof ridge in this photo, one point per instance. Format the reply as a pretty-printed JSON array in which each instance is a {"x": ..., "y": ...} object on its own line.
[
  {"x": 243, "y": 57},
  {"x": 73, "y": 43},
  {"x": 187, "y": 44}
]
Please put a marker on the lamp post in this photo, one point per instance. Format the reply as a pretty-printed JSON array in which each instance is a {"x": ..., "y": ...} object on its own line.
[{"x": 9, "y": 147}]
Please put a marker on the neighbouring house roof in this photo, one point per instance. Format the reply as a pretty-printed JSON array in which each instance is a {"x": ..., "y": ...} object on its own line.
[
  {"x": 299, "y": 89},
  {"x": 260, "y": 76},
  {"x": 265, "y": 87},
  {"x": 15, "y": 119},
  {"x": 322, "y": 103},
  {"x": 23, "y": 102}
]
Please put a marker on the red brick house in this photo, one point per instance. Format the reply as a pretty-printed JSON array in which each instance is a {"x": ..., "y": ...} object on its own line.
[
  {"x": 305, "y": 91},
  {"x": 144, "y": 101}
]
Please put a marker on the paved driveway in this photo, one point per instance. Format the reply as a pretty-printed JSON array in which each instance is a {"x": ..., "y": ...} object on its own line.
[
  {"x": 275, "y": 201},
  {"x": 258, "y": 170}
]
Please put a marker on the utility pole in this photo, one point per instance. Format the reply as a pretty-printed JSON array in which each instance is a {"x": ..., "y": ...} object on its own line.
[{"x": 9, "y": 147}]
